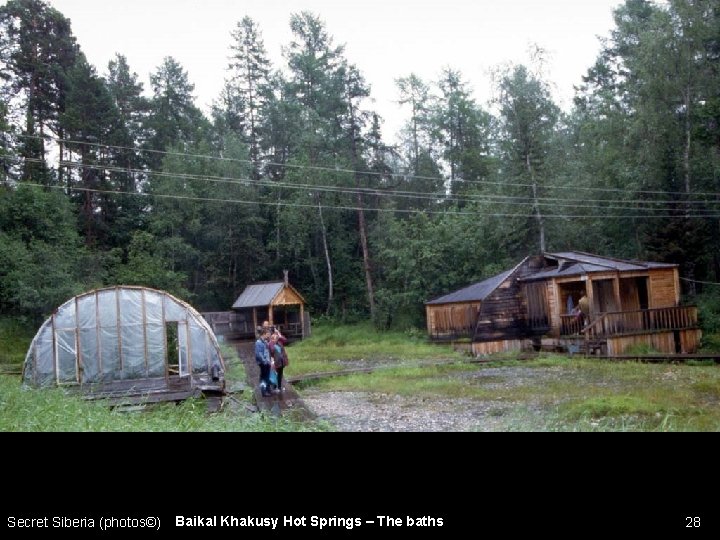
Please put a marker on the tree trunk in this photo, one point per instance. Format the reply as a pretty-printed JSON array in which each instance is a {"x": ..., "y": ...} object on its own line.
[
  {"x": 536, "y": 205},
  {"x": 323, "y": 232},
  {"x": 689, "y": 264},
  {"x": 366, "y": 255},
  {"x": 361, "y": 212},
  {"x": 277, "y": 229}
]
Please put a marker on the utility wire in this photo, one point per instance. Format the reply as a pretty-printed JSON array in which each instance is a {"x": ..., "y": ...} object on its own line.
[
  {"x": 485, "y": 199},
  {"x": 313, "y": 206},
  {"x": 698, "y": 281},
  {"x": 370, "y": 173}
]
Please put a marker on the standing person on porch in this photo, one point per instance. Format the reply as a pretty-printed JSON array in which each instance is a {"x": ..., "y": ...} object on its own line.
[{"x": 584, "y": 305}]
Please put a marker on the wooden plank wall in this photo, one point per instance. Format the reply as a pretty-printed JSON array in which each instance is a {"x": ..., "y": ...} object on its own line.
[
  {"x": 663, "y": 292},
  {"x": 451, "y": 319},
  {"x": 286, "y": 296},
  {"x": 492, "y": 347},
  {"x": 690, "y": 340},
  {"x": 504, "y": 313},
  {"x": 663, "y": 342}
]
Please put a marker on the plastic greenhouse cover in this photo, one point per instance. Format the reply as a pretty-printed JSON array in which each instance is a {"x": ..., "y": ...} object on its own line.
[{"x": 107, "y": 327}]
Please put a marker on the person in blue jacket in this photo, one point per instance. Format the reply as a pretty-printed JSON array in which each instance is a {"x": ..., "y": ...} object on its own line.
[{"x": 262, "y": 358}]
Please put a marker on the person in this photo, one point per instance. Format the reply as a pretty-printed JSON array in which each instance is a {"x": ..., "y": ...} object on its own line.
[
  {"x": 269, "y": 327},
  {"x": 570, "y": 306},
  {"x": 262, "y": 358},
  {"x": 279, "y": 355},
  {"x": 584, "y": 307}
]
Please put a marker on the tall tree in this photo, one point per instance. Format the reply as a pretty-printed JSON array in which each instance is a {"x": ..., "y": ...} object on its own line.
[
  {"x": 528, "y": 118},
  {"x": 39, "y": 49},
  {"x": 173, "y": 115},
  {"x": 89, "y": 120},
  {"x": 317, "y": 89},
  {"x": 656, "y": 77},
  {"x": 463, "y": 131},
  {"x": 424, "y": 175},
  {"x": 132, "y": 107},
  {"x": 248, "y": 90}
]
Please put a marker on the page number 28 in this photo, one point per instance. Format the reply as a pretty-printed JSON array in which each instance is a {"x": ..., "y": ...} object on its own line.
[{"x": 692, "y": 522}]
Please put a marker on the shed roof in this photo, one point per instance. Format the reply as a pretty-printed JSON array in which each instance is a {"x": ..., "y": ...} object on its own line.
[
  {"x": 576, "y": 263},
  {"x": 260, "y": 294},
  {"x": 607, "y": 262},
  {"x": 475, "y": 292}
]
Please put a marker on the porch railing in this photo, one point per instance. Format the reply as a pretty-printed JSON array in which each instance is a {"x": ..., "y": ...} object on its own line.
[{"x": 631, "y": 322}]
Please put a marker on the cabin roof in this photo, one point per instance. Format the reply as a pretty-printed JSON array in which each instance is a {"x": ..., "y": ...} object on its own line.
[
  {"x": 575, "y": 263},
  {"x": 261, "y": 294},
  {"x": 475, "y": 292},
  {"x": 258, "y": 294}
]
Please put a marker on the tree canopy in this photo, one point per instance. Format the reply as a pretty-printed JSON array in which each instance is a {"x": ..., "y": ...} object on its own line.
[{"x": 103, "y": 181}]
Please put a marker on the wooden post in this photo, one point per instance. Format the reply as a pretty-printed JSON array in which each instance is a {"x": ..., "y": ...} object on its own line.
[
  {"x": 98, "y": 334},
  {"x": 616, "y": 292},
  {"x": 165, "y": 342},
  {"x": 144, "y": 323},
  {"x": 270, "y": 314},
  {"x": 119, "y": 333},
  {"x": 78, "y": 354},
  {"x": 255, "y": 324},
  {"x": 55, "y": 353},
  {"x": 591, "y": 298},
  {"x": 302, "y": 322}
]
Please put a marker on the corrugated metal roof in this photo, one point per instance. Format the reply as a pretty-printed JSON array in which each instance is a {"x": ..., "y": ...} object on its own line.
[
  {"x": 577, "y": 263},
  {"x": 475, "y": 292},
  {"x": 258, "y": 294}
]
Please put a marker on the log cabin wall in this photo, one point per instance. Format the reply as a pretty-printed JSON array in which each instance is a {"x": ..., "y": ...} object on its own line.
[
  {"x": 452, "y": 320},
  {"x": 504, "y": 313}
]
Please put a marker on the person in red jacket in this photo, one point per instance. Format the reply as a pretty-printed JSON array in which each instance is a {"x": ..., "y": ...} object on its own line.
[{"x": 279, "y": 355}]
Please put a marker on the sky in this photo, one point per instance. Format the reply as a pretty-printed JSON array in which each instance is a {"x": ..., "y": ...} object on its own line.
[{"x": 385, "y": 39}]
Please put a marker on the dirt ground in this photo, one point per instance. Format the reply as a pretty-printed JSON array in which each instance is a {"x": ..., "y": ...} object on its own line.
[{"x": 367, "y": 411}]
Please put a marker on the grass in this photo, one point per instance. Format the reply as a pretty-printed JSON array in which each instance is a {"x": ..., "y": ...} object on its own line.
[
  {"x": 332, "y": 348},
  {"x": 52, "y": 409},
  {"x": 15, "y": 338},
  {"x": 557, "y": 393},
  {"x": 550, "y": 393}
]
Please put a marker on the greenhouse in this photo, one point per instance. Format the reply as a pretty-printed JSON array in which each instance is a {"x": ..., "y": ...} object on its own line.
[{"x": 129, "y": 340}]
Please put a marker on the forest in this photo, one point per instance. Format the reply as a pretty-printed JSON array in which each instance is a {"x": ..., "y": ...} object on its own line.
[{"x": 106, "y": 182}]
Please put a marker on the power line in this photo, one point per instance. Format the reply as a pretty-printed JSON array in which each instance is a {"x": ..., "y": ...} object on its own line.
[
  {"x": 300, "y": 205},
  {"x": 480, "y": 199},
  {"x": 370, "y": 173},
  {"x": 698, "y": 281},
  {"x": 522, "y": 201}
]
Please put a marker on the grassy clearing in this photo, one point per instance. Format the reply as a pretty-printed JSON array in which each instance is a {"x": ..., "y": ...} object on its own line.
[
  {"x": 15, "y": 338},
  {"x": 556, "y": 393},
  {"x": 331, "y": 348},
  {"x": 24, "y": 409}
]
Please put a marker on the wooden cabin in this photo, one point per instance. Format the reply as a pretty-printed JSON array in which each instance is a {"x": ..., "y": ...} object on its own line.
[
  {"x": 630, "y": 303},
  {"x": 277, "y": 302}
]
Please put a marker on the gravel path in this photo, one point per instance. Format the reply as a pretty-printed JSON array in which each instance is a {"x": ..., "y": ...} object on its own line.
[
  {"x": 368, "y": 411},
  {"x": 364, "y": 411}
]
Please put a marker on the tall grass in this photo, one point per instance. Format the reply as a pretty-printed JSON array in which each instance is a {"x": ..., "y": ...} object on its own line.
[{"x": 26, "y": 409}]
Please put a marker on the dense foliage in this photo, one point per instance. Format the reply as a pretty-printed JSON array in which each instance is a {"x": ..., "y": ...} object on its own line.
[{"x": 101, "y": 183}]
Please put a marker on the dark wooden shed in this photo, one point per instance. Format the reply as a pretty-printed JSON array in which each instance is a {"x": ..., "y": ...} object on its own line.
[{"x": 631, "y": 303}]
